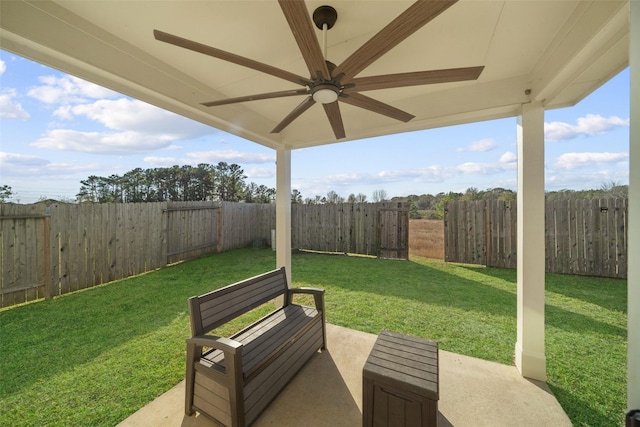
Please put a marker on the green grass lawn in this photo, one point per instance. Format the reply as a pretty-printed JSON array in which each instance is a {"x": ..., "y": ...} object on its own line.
[{"x": 95, "y": 357}]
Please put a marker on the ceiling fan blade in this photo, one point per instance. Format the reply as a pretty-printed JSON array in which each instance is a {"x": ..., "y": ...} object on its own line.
[
  {"x": 301, "y": 108},
  {"x": 270, "y": 95},
  {"x": 335, "y": 118},
  {"x": 229, "y": 57},
  {"x": 414, "y": 79},
  {"x": 371, "y": 104},
  {"x": 302, "y": 29},
  {"x": 408, "y": 22}
]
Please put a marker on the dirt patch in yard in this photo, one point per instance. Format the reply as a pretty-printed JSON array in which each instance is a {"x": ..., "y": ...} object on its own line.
[{"x": 426, "y": 238}]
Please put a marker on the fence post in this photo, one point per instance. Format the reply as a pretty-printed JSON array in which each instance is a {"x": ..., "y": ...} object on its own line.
[
  {"x": 46, "y": 276},
  {"x": 219, "y": 228}
]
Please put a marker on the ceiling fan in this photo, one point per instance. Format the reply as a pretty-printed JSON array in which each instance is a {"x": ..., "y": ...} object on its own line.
[{"x": 329, "y": 83}]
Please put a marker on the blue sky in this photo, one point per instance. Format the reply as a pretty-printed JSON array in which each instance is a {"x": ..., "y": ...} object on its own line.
[{"x": 56, "y": 130}]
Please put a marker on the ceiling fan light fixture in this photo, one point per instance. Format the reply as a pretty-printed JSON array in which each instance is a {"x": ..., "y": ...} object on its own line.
[{"x": 325, "y": 94}]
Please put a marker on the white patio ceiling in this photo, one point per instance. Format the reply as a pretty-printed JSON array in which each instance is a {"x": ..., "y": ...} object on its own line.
[{"x": 560, "y": 51}]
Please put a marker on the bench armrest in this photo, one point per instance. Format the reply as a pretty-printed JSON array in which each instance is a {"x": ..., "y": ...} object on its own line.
[
  {"x": 219, "y": 343},
  {"x": 318, "y": 296},
  {"x": 231, "y": 377}
]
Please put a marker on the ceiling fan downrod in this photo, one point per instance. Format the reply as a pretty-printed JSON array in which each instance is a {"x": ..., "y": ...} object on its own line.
[{"x": 325, "y": 17}]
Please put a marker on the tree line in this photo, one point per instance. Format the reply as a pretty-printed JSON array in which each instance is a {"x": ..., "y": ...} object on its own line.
[
  {"x": 223, "y": 182},
  {"x": 432, "y": 206},
  {"x": 226, "y": 182}
]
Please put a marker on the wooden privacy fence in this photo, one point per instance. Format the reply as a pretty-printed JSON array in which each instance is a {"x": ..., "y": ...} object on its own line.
[
  {"x": 585, "y": 237},
  {"x": 50, "y": 249}
]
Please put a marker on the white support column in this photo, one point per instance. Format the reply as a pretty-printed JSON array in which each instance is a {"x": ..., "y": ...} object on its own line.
[
  {"x": 633, "y": 226},
  {"x": 530, "y": 357},
  {"x": 283, "y": 210}
]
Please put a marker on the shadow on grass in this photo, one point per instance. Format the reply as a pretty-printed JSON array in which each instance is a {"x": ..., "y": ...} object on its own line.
[
  {"x": 590, "y": 290},
  {"x": 406, "y": 280},
  {"x": 579, "y": 288},
  {"x": 588, "y": 416},
  {"x": 584, "y": 288},
  {"x": 43, "y": 339}
]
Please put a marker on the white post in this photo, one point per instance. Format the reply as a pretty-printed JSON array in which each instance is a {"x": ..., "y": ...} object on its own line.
[
  {"x": 283, "y": 210},
  {"x": 530, "y": 356},
  {"x": 633, "y": 226}
]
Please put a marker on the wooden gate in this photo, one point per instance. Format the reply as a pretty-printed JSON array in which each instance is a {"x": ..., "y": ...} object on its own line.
[
  {"x": 393, "y": 231},
  {"x": 25, "y": 261},
  {"x": 193, "y": 229}
]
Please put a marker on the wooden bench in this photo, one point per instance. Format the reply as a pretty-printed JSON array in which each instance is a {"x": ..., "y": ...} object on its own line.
[{"x": 232, "y": 380}]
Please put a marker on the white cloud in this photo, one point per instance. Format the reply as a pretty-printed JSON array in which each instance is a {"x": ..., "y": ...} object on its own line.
[
  {"x": 68, "y": 90},
  {"x": 584, "y": 179},
  {"x": 64, "y": 112},
  {"x": 486, "y": 144},
  {"x": 9, "y": 109},
  {"x": 133, "y": 115},
  {"x": 427, "y": 175},
  {"x": 591, "y": 124},
  {"x": 102, "y": 142},
  {"x": 3, "y": 67},
  {"x": 507, "y": 162},
  {"x": 132, "y": 126},
  {"x": 439, "y": 173},
  {"x": 338, "y": 183},
  {"x": 231, "y": 156},
  {"x": 508, "y": 157},
  {"x": 23, "y": 166},
  {"x": 570, "y": 161},
  {"x": 260, "y": 173},
  {"x": 480, "y": 168},
  {"x": 214, "y": 157},
  {"x": 137, "y": 127},
  {"x": 9, "y": 160},
  {"x": 164, "y": 162},
  {"x": 435, "y": 173}
]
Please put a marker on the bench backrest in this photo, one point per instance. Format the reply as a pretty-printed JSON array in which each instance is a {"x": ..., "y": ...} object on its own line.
[{"x": 213, "y": 309}]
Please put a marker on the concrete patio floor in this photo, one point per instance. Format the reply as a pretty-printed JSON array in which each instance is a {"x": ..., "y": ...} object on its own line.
[{"x": 328, "y": 392}]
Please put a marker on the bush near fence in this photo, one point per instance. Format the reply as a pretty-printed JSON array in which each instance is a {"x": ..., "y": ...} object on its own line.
[
  {"x": 49, "y": 249},
  {"x": 582, "y": 236}
]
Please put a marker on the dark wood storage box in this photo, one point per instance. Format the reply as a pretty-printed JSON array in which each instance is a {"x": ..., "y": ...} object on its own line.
[{"x": 400, "y": 382}]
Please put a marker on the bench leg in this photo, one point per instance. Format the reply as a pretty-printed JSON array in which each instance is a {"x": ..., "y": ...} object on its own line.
[
  {"x": 190, "y": 377},
  {"x": 324, "y": 334}
]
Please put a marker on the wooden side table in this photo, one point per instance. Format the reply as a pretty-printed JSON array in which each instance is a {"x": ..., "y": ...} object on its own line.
[{"x": 400, "y": 382}]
